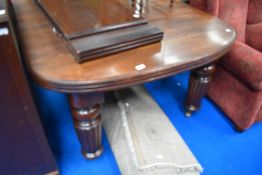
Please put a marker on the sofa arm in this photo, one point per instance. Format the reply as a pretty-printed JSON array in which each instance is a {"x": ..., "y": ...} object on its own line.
[
  {"x": 254, "y": 36},
  {"x": 245, "y": 63},
  {"x": 210, "y": 6}
]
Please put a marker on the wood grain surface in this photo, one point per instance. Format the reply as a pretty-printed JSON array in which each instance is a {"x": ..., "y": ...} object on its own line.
[
  {"x": 3, "y": 12},
  {"x": 85, "y": 17},
  {"x": 93, "y": 29},
  {"x": 191, "y": 39}
]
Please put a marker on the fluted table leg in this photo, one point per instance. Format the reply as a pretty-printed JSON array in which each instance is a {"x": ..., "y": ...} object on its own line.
[
  {"x": 86, "y": 110},
  {"x": 198, "y": 86}
]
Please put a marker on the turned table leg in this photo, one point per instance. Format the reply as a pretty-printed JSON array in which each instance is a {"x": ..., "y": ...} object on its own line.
[
  {"x": 198, "y": 86},
  {"x": 86, "y": 110}
]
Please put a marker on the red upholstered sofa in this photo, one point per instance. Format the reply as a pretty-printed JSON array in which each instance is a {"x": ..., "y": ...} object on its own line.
[{"x": 237, "y": 83}]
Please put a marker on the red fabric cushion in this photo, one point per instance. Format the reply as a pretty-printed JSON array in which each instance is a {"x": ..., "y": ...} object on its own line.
[
  {"x": 200, "y": 4},
  {"x": 210, "y": 6},
  {"x": 235, "y": 13},
  {"x": 213, "y": 7},
  {"x": 237, "y": 83},
  {"x": 239, "y": 102},
  {"x": 254, "y": 35},
  {"x": 259, "y": 115},
  {"x": 245, "y": 63},
  {"x": 254, "y": 12},
  {"x": 232, "y": 11}
]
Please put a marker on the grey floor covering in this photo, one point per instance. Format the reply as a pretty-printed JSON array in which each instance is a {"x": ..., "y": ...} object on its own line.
[{"x": 142, "y": 138}]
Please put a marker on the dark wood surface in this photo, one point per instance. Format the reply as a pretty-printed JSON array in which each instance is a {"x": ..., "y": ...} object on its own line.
[
  {"x": 191, "y": 39},
  {"x": 108, "y": 43},
  {"x": 3, "y": 16},
  {"x": 92, "y": 16},
  {"x": 23, "y": 148},
  {"x": 93, "y": 29}
]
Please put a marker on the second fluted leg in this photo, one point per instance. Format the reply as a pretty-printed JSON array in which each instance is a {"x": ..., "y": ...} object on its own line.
[{"x": 198, "y": 86}]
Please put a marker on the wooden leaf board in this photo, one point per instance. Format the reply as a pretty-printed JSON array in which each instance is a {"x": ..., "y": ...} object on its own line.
[
  {"x": 94, "y": 28},
  {"x": 114, "y": 41},
  {"x": 75, "y": 18}
]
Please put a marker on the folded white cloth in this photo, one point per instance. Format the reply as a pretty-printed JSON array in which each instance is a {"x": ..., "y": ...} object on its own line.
[{"x": 142, "y": 138}]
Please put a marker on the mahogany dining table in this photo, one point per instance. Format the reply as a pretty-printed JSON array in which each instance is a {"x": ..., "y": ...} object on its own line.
[{"x": 193, "y": 40}]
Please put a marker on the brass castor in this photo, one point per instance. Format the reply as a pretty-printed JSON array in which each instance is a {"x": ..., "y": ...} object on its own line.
[
  {"x": 94, "y": 155},
  {"x": 188, "y": 114}
]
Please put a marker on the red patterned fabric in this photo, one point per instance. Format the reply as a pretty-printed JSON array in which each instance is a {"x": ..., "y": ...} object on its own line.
[
  {"x": 254, "y": 35},
  {"x": 232, "y": 11},
  {"x": 212, "y": 7},
  {"x": 237, "y": 85},
  {"x": 209, "y": 6},
  {"x": 200, "y": 4},
  {"x": 246, "y": 63},
  {"x": 241, "y": 104},
  {"x": 254, "y": 12},
  {"x": 259, "y": 115},
  {"x": 235, "y": 13}
]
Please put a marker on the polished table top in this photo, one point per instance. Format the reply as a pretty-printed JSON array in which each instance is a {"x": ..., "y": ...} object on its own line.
[
  {"x": 92, "y": 16},
  {"x": 191, "y": 39}
]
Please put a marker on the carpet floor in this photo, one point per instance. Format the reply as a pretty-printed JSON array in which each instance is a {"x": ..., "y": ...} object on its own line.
[{"x": 208, "y": 133}]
